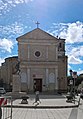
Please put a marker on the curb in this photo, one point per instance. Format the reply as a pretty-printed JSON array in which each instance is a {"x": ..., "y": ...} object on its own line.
[{"x": 42, "y": 107}]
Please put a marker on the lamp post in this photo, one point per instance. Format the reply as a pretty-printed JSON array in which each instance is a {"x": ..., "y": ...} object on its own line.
[
  {"x": 71, "y": 81},
  {"x": 74, "y": 76},
  {"x": 69, "y": 95}
]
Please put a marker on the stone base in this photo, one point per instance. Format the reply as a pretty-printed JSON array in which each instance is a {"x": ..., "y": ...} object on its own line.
[
  {"x": 24, "y": 87},
  {"x": 16, "y": 83}
]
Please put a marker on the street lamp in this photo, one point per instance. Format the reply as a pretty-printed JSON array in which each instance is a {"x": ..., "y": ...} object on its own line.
[
  {"x": 71, "y": 81},
  {"x": 69, "y": 95},
  {"x": 74, "y": 76}
]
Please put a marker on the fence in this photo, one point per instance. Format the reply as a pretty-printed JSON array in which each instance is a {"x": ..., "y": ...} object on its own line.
[{"x": 6, "y": 107}]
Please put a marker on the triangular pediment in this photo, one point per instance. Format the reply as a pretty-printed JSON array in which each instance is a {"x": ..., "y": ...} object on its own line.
[{"x": 37, "y": 34}]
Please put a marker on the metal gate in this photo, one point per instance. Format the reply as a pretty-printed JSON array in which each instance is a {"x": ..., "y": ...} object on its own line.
[{"x": 6, "y": 107}]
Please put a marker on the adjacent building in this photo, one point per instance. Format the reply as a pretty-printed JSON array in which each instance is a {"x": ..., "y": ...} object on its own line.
[{"x": 7, "y": 70}]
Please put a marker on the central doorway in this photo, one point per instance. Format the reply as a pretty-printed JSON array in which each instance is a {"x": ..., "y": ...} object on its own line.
[{"x": 37, "y": 84}]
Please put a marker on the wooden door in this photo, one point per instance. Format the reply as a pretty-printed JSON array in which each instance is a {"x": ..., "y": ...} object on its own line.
[{"x": 38, "y": 85}]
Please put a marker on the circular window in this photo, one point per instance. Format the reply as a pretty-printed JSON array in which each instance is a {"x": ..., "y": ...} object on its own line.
[{"x": 37, "y": 53}]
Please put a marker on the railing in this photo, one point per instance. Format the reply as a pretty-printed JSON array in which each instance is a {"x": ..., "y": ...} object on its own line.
[{"x": 6, "y": 112}]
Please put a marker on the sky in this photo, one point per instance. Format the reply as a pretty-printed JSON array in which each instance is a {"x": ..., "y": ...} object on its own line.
[{"x": 63, "y": 18}]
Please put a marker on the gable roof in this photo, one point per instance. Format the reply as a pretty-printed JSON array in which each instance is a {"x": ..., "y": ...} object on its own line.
[{"x": 37, "y": 34}]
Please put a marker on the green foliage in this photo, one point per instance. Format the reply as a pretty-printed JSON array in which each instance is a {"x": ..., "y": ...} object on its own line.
[{"x": 77, "y": 81}]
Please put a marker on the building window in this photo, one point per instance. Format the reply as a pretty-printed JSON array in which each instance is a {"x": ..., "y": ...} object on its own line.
[
  {"x": 37, "y": 53},
  {"x": 60, "y": 45}
]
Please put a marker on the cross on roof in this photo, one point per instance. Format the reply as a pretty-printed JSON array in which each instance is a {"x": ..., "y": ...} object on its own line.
[{"x": 37, "y": 24}]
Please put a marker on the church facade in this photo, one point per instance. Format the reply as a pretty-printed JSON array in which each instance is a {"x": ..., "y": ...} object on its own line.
[{"x": 43, "y": 64}]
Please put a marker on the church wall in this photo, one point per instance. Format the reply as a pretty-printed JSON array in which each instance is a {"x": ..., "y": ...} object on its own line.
[
  {"x": 47, "y": 66},
  {"x": 23, "y": 54},
  {"x": 62, "y": 74},
  {"x": 47, "y": 75},
  {"x": 47, "y": 52},
  {"x": 24, "y": 79},
  {"x": 27, "y": 52},
  {"x": 51, "y": 79},
  {"x": 52, "y": 53},
  {"x": 35, "y": 48}
]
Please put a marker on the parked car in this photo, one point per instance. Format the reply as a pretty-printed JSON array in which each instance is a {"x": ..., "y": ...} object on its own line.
[{"x": 2, "y": 91}]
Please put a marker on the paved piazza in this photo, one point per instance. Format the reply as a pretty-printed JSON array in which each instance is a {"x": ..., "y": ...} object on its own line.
[
  {"x": 63, "y": 113},
  {"x": 23, "y": 113},
  {"x": 45, "y": 113}
]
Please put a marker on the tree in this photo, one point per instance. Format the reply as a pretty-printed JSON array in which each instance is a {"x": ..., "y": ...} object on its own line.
[{"x": 78, "y": 80}]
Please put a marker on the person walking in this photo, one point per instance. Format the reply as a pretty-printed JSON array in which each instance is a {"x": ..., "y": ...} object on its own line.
[{"x": 37, "y": 97}]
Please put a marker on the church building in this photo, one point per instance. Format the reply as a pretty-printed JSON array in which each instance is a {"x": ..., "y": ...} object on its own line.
[{"x": 43, "y": 64}]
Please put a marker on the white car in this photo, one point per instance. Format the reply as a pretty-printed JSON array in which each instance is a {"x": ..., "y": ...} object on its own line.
[{"x": 2, "y": 91}]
